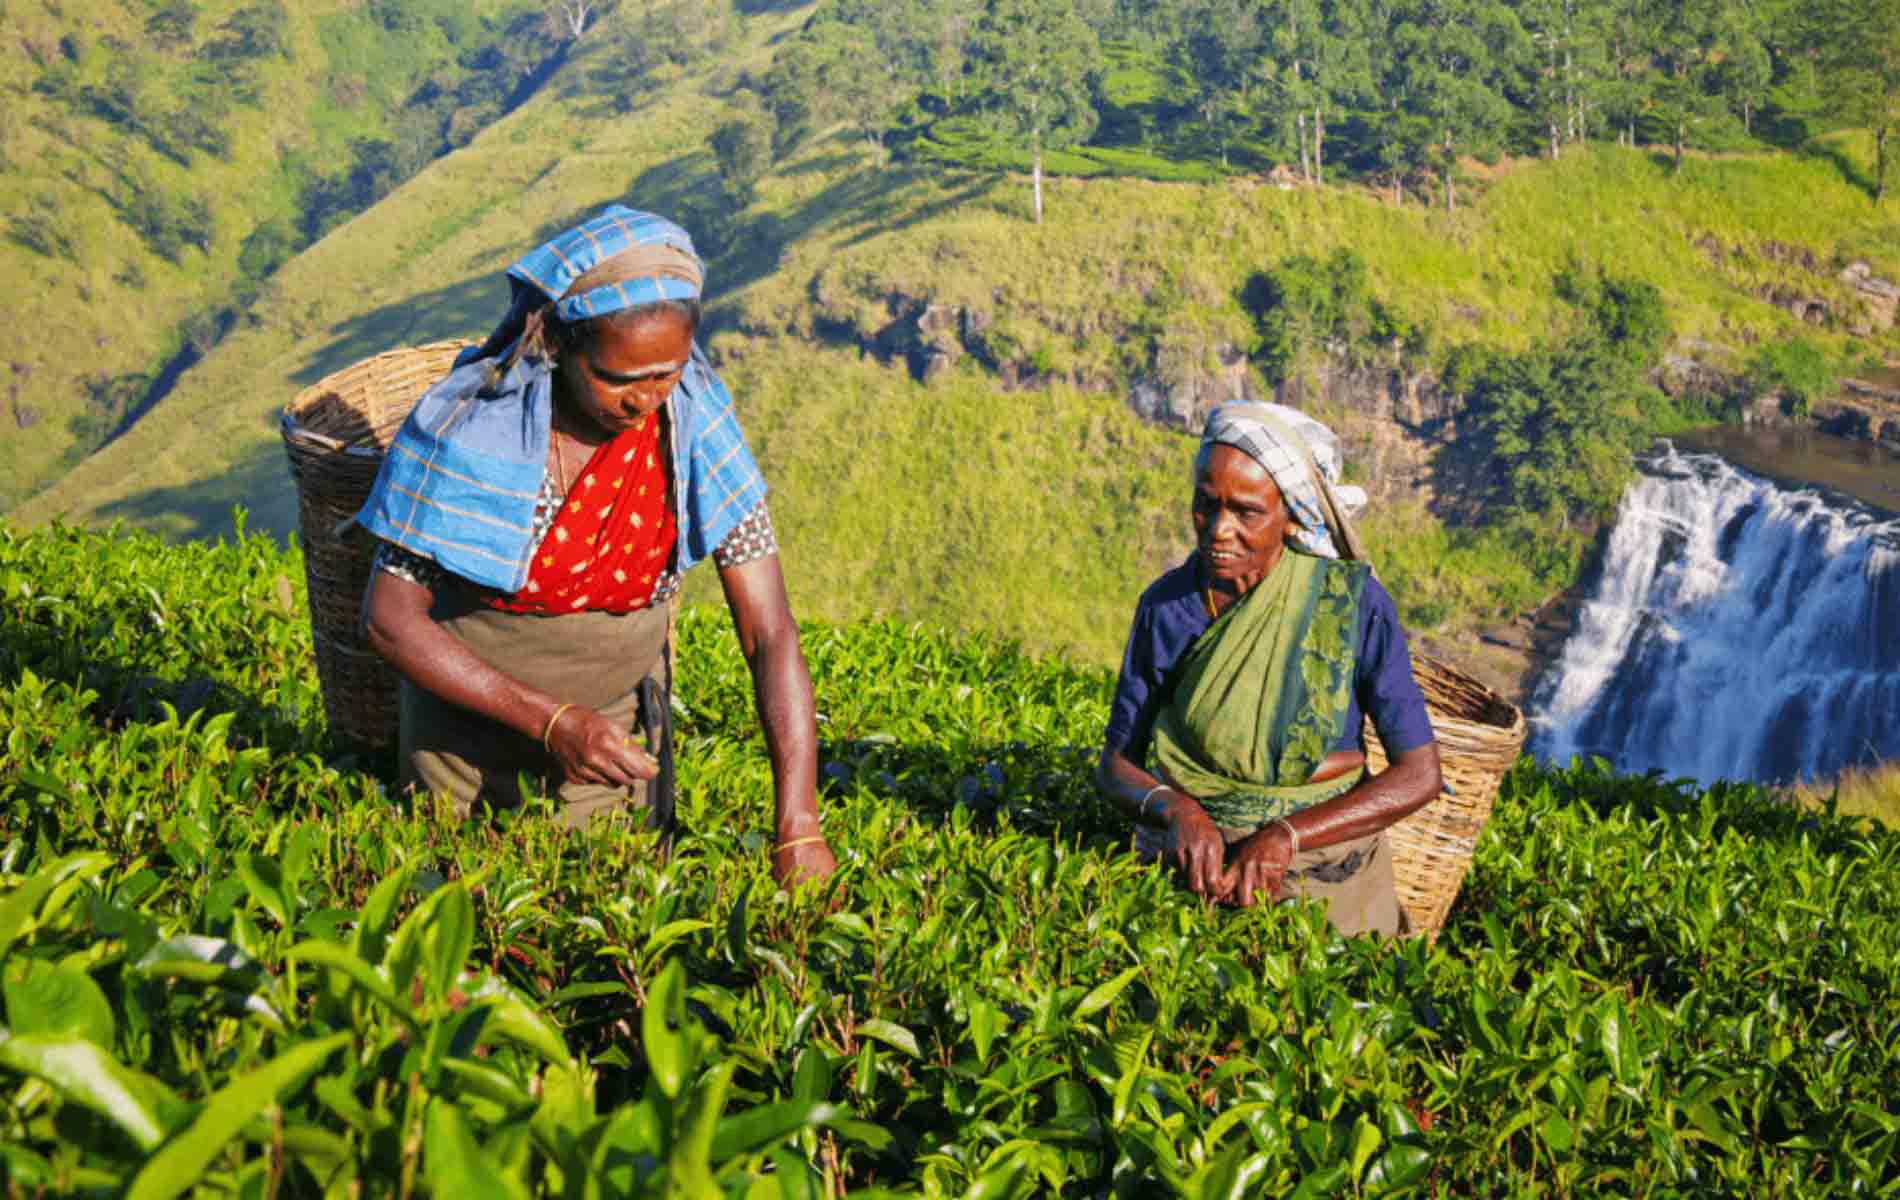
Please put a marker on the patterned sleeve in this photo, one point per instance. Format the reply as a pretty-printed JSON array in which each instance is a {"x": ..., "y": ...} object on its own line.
[
  {"x": 750, "y": 539},
  {"x": 406, "y": 565}
]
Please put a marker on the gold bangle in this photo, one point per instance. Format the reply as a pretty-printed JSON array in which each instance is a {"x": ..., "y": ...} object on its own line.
[
  {"x": 1141, "y": 811},
  {"x": 1293, "y": 835},
  {"x": 548, "y": 729},
  {"x": 816, "y": 837}
]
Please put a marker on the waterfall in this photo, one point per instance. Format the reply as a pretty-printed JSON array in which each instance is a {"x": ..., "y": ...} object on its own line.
[{"x": 1739, "y": 630}]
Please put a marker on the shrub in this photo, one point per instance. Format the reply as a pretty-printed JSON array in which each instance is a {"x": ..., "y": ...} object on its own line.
[
  {"x": 1307, "y": 309},
  {"x": 165, "y": 221},
  {"x": 1796, "y": 369},
  {"x": 266, "y": 248}
]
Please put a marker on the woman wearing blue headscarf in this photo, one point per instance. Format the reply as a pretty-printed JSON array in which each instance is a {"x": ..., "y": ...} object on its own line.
[{"x": 536, "y": 513}]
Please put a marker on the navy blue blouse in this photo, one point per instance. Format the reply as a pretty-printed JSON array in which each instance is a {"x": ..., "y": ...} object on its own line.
[{"x": 1170, "y": 616}]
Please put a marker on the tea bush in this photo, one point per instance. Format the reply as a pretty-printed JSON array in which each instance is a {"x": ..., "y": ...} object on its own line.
[{"x": 233, "y": 960}]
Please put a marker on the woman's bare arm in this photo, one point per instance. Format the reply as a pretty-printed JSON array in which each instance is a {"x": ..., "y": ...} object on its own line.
[
  {"x": 1404, "y": 787},
  {"x": 1195, "y": 846},
  {"x": 781, "y": 691},
  {"x": 590, "y": 748}
]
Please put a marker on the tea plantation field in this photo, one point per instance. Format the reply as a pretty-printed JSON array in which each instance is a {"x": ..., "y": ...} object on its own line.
[{"x": 232, "y": 960}]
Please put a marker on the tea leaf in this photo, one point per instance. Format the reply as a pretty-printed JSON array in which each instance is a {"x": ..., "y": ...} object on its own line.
[
  {"x": 453, "y": 1161},
  {"x": 1103, "y": 994},
  {"x": 44, "y": 999},
  {"x": 891, "y": 1034},
  {"x": 179, "y": 1163},
  {"x": 82, "y": 1072}
]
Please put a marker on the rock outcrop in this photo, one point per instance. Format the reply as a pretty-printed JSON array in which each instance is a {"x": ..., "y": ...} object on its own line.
[
  {"x": 1879, "y": 300},
  {"x": 1179, "y": 398}
]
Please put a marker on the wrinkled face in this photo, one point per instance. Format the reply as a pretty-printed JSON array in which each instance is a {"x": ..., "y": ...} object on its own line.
[
  {"x": 623, "y": 370},
  {"x": 1240, "y": 521}
]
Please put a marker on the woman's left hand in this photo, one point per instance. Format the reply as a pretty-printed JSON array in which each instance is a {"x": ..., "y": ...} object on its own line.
[
  {"x": 1257, "y": 868},
  {"x": 803, "y": 860}
]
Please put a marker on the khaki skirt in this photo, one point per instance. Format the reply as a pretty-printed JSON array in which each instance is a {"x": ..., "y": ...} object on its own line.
[{"x": 596, "y": 660}]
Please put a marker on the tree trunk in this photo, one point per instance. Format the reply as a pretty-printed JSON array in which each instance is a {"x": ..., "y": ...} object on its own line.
[
  {"x": 1451, "y": 164},
  {"x": 1880, "y": 162},
  {"x": 1306, "y": 169},
  {"x": 1680, "y": 131},
  {"x": 1038, "y": 178},
  {"x": 1553, "y": 141},
  {"x": 1748, "y": 113},
  {"x": 1570, "y": 95},
  {"x": 1319, "y": 145}
]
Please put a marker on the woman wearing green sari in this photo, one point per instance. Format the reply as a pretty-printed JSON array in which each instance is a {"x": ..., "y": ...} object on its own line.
[{"x": 1235, "y": 741}]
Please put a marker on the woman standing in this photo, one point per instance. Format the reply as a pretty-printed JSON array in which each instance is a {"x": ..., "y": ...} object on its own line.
[
  {"x": 1235, "y": 738},
  {"x": 537, "y": 511}
]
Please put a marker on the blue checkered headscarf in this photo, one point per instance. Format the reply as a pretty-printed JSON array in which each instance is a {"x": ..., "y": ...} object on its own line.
[
  {"x": 659, "y": 262},
  {"x": 616, "y": 260}
]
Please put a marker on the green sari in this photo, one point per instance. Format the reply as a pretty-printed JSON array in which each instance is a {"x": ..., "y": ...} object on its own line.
[
  {"x": 1257, "y": 703},
  {"x": 1262, "y": 696}
]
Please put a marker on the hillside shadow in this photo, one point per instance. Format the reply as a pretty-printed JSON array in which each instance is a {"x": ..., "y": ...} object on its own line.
[
  {"x": 468, "y": 310},
  {"x": 1852, "y": 173},
  {"x": 860, "y": 203},
  {"x": 259, "y": 482}
]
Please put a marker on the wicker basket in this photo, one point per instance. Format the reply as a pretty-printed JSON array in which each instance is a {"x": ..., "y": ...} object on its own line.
[
  {"x": 1480, "y": 735},
  {"x": 335, "y": 433}
]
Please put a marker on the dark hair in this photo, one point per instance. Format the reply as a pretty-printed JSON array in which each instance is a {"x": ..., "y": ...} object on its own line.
[{"x": 569, "y": 335}]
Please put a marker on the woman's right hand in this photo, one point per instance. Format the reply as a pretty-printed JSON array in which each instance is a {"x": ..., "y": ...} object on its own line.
[
  {"x": 592, "y": 749},
  {"x": 1195, "y": 846}
]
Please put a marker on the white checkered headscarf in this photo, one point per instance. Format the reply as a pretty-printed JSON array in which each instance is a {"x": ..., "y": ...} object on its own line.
[{"x": 1284, "y": 440}]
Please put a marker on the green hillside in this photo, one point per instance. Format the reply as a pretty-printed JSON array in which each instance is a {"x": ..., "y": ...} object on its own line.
[
  {"x": 159, "y": 157},
  {"x": 1044, "y": 507},
  {"x": 235, "y": 962}
]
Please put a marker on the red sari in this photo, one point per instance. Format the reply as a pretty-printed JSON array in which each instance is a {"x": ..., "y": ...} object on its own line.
[{"x": 613, "y": 535}]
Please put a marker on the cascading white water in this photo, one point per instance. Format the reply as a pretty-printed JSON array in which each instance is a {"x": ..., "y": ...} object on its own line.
[{"x": 1740, "y": 630}]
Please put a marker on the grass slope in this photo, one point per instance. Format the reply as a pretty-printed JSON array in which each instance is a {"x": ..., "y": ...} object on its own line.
[
  {"x": 106, "y": 306},
  {"x": 1040, "y": 513}
]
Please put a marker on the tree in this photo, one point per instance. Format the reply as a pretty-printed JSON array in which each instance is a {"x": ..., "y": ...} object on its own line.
[
  {"x": 1222, "y": 46},
  {"x": 1747, "y": 69},
  {"x": 1292, "y": 69},
  {"x": 173, "y": 23},
  {"x": 1625, "y": 90},
  {"x": 831, "y": 73},
  {"x": 1035, "y": 59},
  {"x": 743, "y": 147},
  {"x": 1336, "y": 49},
  {"x": 1572, "y": 69},
  {"x": 569, "y": 19},
  {"x": 254, "y": 31},
  {"x": 948, "y": 47},
  {"x": 1446, "y": 59},
  {"x": 1687, "y": 42},
  {"x": 1858, "y": 45}
]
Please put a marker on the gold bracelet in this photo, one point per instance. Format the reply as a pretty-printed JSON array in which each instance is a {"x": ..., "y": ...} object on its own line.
[
  {"x": 816, "y": 837},
  {"x": 548, "y": 729}
]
